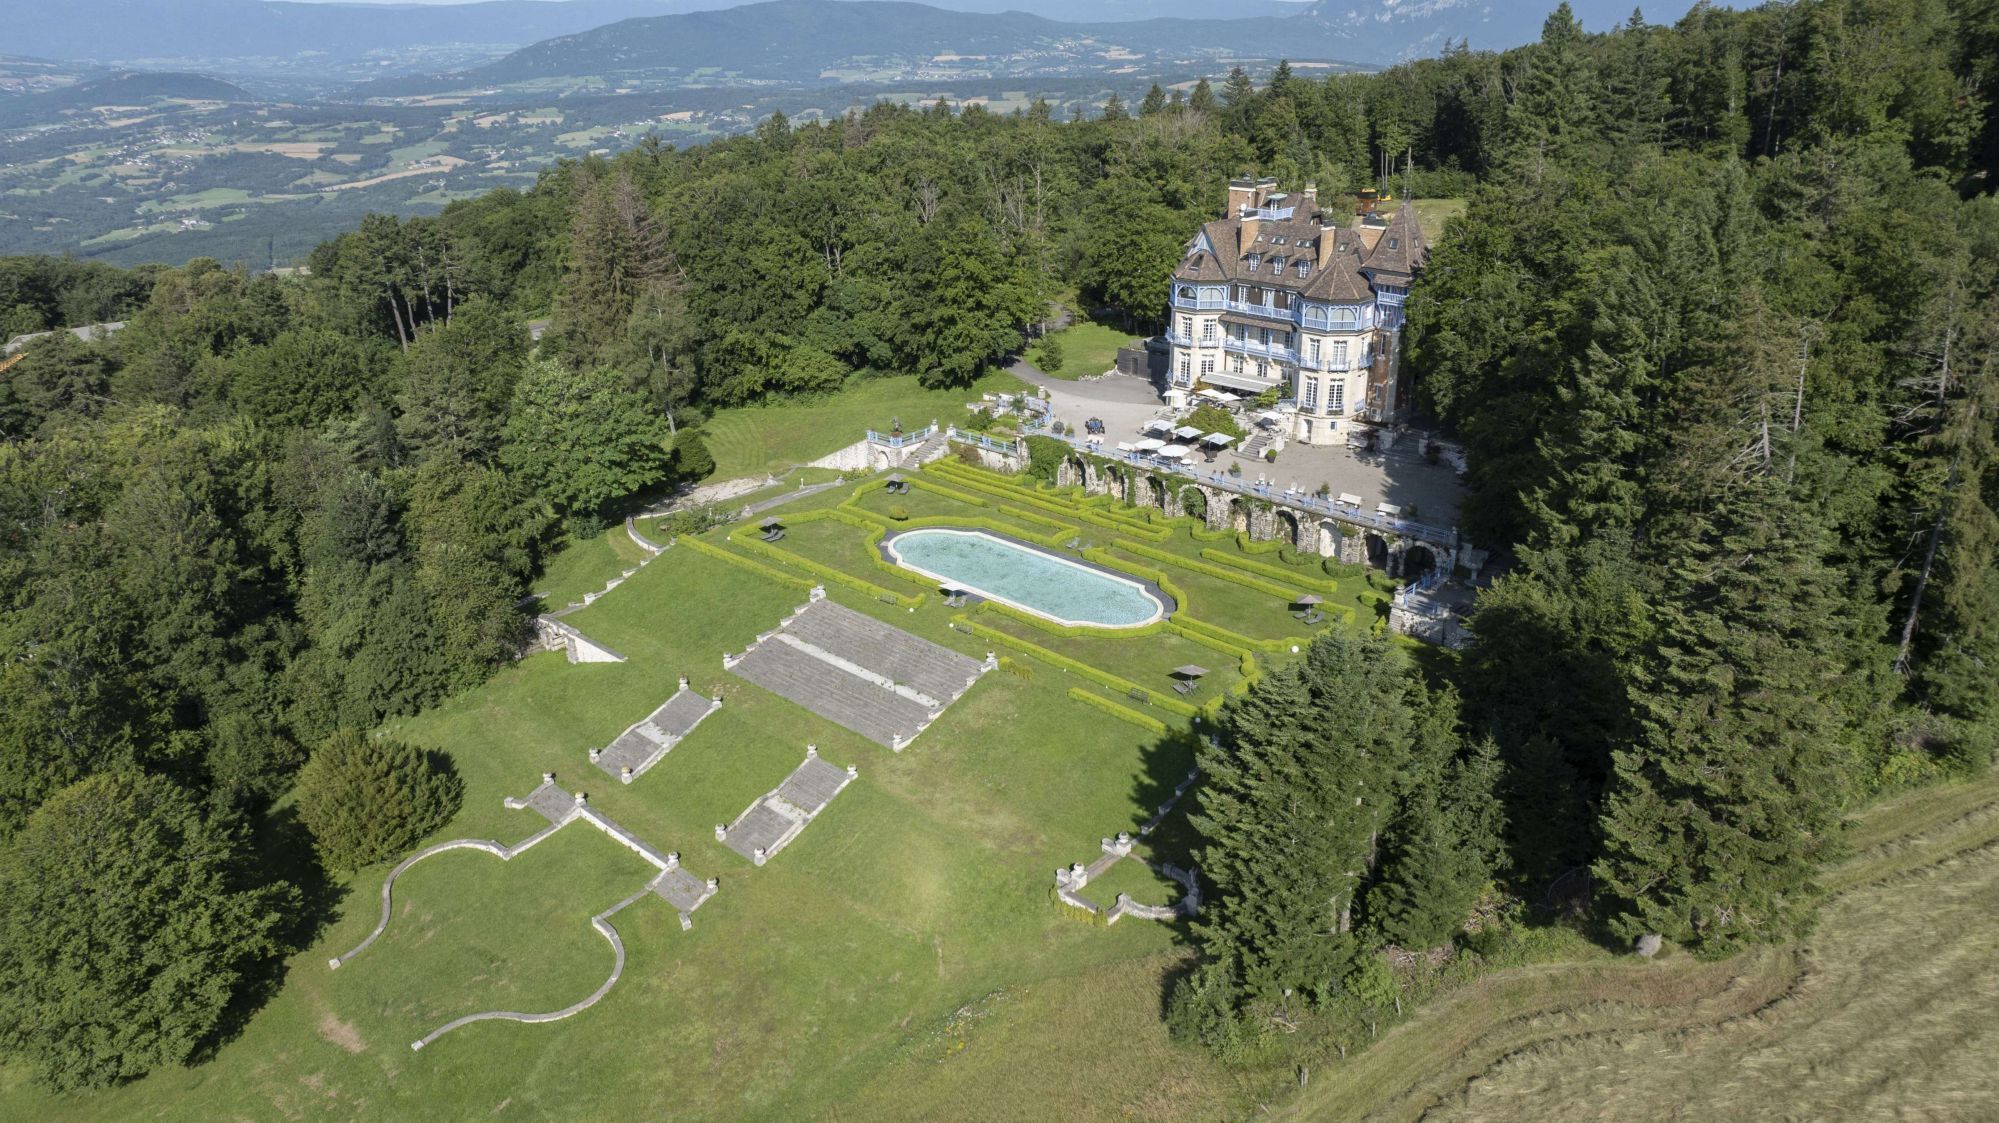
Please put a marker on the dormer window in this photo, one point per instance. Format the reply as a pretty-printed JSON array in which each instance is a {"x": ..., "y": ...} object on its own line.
[
  {"x": 1304, "y": 269},
  {"x": 1277, "y": 266},
  {"x": 1255, "y": 260}
]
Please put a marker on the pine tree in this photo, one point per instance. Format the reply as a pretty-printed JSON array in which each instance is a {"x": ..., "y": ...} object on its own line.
[
  {"x": 615, "y": 252},
  {"x": 1291, "y": 811},
  {"x": 1555, "y": 111},
  {"x": 1728, "y": 800},
  {"x": 1114, "y": 110},
  {"x": 1202, "y": 100},
  {"x": 1154, "y": 103}
]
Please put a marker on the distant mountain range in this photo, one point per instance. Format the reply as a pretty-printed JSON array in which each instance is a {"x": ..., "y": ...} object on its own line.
[{"x": 214, "y": 34}]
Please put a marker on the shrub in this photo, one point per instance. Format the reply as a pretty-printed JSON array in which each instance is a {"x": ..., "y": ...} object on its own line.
[
  {"x": 691, "y": 459},
  {"x": 1215, "y": 419},
  {"x": 969, "y": 454},
  {"x": 1049, "y": 355},
  {"x": 1270, "y": 455},
  {"x": 899, "y": 513},
  {"x": 365, "y": 800},
  {"x": 1044, "y": 457}
]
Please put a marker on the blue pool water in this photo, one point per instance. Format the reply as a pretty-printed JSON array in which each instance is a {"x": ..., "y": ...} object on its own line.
[{"x": 1027, "y": 578}]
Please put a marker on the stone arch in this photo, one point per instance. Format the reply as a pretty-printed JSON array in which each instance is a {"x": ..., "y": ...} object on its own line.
[
  {"x": 1417, "y": 562},
  {"x": 1150, "y": 493},
  {"x": 1377, "y": 551},
  {"x": 1288, "y": 528},
  {"x": 1239, "y": 515},
  {"x": 1194, "y": 502},
  {"x": 1075, "y": 472},
  {"x": 1330, "y": 539}
]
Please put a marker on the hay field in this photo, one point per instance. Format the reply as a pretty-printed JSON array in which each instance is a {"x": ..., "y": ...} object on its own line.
[{"x": 1891, "y": 1010}]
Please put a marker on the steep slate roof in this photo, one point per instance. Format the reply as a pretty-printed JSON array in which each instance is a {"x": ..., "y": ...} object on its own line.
[
  {"x": 1400, "y": 251},
  {"x": 1392, "y": 253}
]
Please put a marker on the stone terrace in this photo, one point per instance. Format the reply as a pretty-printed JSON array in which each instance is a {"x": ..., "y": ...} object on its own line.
[
  {"x": 643, "y": 744},
  {"x": 769, "y": 824},
  {"x": 888, "y": 651},
  {"x": 875, "y": 679}
]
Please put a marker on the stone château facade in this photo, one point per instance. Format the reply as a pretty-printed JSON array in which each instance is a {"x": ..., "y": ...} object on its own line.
[{"x": 1279, "y": 294}]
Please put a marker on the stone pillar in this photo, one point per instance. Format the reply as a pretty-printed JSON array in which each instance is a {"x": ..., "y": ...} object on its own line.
[
  {"x": 548, "y": 777},
  {"x": 625, "y": 773},
  {"x": 811, "y": 752},
  {"x": 852, "y": 772},
  {"x": 721, "y": 833},
  {"x": 758, "y": 856},
  {"x": 683, "y": 682},
  {"x": 673, "y": 860},
  {"x": 594, "y": 754},
  {"x": 580, "y": 798}
]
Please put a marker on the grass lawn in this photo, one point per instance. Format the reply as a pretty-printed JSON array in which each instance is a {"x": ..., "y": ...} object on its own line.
[
  {"x": 585, "y": 566},
  {"x": 1432, "y": 214},
  {"x": 1088, "y": 348},
  {"x": 754, "y": 440}
]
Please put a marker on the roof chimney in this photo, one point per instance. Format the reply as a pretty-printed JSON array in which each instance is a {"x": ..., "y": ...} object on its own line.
[
  {"x": 1328, "y": 237},
  {"x": 1311, "y": 192},
  {"x": 1265, "y": 188},
  {"x": 1242, "y": 194},
  {"x": 1246, "y": 236}
]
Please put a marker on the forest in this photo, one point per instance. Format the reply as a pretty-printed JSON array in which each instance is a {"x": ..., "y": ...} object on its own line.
[{"x": 1718, "y": 330}]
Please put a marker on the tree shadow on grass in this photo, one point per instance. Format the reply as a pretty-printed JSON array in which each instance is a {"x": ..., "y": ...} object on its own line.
[{"x": 284, "y": 854}]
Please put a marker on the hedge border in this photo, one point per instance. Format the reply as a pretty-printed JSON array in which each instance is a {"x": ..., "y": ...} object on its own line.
[
  {"x": 1100, "y": 677},
  {"x": 822, "y": 570},
  {"x": 709, "y": 549},
  {"x": 1120, "y": 712}
]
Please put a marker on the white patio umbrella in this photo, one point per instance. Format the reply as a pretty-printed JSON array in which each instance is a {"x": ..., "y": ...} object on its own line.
[
  {"x": 1172, "y": 452},
  {"x": 1218, "y": 439},
  {"x": 1186, "y": 432},
  {"x": 1148, "y": 444},
  {"x": 1158, "y": 425}
]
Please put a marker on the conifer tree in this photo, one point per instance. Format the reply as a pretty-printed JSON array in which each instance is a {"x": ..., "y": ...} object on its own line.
[
  {"x": 1114, "y": 110},
  {"x": 1154, "y": 103},
  {"x": 1202, "y": 99}
]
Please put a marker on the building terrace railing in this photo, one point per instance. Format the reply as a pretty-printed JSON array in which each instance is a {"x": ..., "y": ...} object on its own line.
[
  {"x": 901, "y": 440},
  {"x": 1275, "y": 351},
  {"x": 1437, "y": 535}
]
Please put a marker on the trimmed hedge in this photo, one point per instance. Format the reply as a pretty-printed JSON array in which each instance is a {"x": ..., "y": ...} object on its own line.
[
  {"x": 1122, "y": 713},
  {"x": 757, "y": 567},
  {"x": 1322, "y": 585},
  {"x": 999, "y": 488},
  {"x": 1068, "y": 631},
  {"x": 825, "y": 572},
  {"x": 1100, "y": 677},
  {"x": 1220, "y": 573}
]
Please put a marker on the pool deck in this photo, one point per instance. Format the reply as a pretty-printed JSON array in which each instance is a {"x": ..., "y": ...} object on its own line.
[{"x": 1167, "y": 604}]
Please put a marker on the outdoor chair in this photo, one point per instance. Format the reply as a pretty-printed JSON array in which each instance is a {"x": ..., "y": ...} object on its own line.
[
  {"x": 1183, "y": 687},
  {"x": 775, "y": 535},
  {"x": 1313, "y": 617}
]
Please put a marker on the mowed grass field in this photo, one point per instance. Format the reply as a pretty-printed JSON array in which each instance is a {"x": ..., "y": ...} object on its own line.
[
  {"x": 754, "y": 440},
  {"x": 1889, "y": 1011}
]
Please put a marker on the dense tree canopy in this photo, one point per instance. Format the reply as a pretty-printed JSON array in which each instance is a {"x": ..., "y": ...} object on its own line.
[{"x": 126, "y": 925}]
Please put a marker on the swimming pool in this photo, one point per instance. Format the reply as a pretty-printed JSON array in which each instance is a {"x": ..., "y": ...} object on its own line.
[{"x": 1031, "y": 580}]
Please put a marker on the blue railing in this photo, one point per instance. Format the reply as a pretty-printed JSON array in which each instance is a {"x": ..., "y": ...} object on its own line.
[
  {"x": 1261, "y": 350},
  {"x": 901, "y": 440},
  {"x": 1197, "y": 304},
  {"x": 1004, "y": 448},
  {"x": 1443, "y": 536}
]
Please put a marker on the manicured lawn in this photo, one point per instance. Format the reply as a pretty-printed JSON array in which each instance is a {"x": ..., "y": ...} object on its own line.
[
  {"x": 754, "y": 440},
  {"x": 585, "y": 566},
  {"x": 1088, "y": 348}
]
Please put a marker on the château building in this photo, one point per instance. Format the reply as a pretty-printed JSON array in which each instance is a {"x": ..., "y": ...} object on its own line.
[{"x": 1279, "y": 294}]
